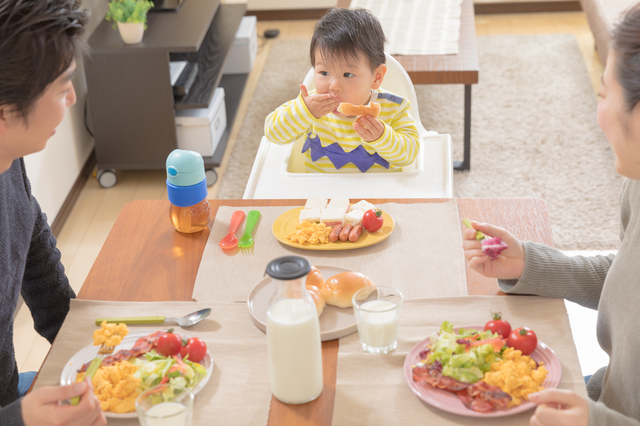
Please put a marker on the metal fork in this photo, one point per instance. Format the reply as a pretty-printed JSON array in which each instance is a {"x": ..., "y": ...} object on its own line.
[
  {"x": 94, "y": 366},
  {"x": 246, "y": 241}
]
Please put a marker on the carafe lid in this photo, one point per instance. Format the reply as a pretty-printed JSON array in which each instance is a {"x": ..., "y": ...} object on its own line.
[{"x": 288, "y": 268}]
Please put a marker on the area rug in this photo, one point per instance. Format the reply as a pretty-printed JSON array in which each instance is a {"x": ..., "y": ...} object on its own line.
[{"x": 534, "y": 131}]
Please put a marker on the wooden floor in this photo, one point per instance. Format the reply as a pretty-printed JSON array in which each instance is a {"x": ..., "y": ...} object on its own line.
[{"x": 97, "y": 209}]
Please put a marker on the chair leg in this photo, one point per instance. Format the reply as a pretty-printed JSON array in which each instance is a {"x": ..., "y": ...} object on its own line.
[{"x": 466, "y": 163}]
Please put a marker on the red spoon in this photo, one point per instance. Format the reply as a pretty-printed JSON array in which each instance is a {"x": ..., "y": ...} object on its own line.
[{"x": 231, "y": 241}]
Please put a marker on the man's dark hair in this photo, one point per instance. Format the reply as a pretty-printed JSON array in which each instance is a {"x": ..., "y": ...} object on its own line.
[
  {"x": 345, "y": 34},
  {"x": 38, "y": 42},
  {"x": 626, "y": 44}
]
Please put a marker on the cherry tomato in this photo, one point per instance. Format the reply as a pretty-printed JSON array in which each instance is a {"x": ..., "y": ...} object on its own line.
[
  {"x": 372, "y": 220},
  {"x": 498, "y": 325},
  {"x": 523, "y": 339},
  {"x": 169, "y": 343},
  {"x": 195, "y": 347}
]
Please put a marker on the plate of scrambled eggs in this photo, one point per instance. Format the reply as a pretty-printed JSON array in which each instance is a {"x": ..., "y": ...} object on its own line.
[
  {"x": 115, "y": 386},
  {"x": 288, "y": 224},
  {"x": 516, "y": 374}
]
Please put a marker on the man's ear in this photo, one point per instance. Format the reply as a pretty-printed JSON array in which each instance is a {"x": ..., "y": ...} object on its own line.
[
  {"x": 4, "y": 114},
  {"x": 378, "y": 76}
]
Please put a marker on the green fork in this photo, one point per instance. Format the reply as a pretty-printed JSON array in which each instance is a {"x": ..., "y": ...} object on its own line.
[{"x": 252, "y": 218}]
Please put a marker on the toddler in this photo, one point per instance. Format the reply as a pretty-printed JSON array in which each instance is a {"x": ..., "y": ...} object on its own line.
[{"x": 347, "y": 54}]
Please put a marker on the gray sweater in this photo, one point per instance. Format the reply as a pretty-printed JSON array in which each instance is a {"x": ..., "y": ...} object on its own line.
[
  {"x": 610, "y": 284},
  {"x": 29, "y": 265}
]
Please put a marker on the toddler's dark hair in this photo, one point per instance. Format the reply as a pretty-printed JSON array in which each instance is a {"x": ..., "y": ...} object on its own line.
[{"x": 345, "y": 34}]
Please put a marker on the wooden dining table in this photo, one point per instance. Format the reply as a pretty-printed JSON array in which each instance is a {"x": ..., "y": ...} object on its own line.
[{"x": 143, "y": 237}]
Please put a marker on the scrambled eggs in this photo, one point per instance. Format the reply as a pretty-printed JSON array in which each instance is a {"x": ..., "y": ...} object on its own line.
[
  {"x": 516, "y": 375},
  {"x": 115, "y": 387},
  {"x": 312, "y": 233},
  {"x": 110, "y": 334}
]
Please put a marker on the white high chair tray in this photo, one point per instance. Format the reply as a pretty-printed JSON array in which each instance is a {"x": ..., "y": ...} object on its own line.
[{"x": 431, "y": 177}]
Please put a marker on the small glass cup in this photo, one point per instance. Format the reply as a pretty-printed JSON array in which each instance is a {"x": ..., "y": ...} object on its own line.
[
  {"x": 377, "y": 311},
  {"x": 163, "y": 406}
]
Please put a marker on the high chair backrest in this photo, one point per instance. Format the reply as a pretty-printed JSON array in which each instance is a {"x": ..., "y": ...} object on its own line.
[{"x": 396, "y": 80}]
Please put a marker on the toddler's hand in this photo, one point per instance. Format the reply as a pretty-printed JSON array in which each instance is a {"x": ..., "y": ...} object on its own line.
[
  {"x": 369, "y": 128},
  {"x": 510, "y": 263},
  {"x": 319, "y": 105}
]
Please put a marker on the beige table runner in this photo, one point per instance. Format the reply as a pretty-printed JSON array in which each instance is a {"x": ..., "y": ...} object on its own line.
[
  {"x": 238, "y": 392},
  {"x": 371, "y": 389},
  {"x": 423, "y": 257}
]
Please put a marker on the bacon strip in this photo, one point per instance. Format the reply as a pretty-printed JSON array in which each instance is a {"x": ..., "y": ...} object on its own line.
[
  {"x": 480, "y": 396},
  {"x": 142, "y": 346}
]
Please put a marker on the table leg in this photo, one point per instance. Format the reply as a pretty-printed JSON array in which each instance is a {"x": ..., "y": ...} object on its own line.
[{"x": 466, "y": 164}]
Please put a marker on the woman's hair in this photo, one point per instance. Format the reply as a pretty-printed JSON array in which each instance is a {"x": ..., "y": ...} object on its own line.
[
  {"x": 626, "y": 43},
  {"x": 38, "y": 42},
  {"x": 345, "y": 34}
]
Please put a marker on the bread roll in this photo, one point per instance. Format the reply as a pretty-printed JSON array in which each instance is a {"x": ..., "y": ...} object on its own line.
[
  {"x": 340, "y": 288},
  {"x": 318, "y": 298},
  {"x": 315, "y": 278}
]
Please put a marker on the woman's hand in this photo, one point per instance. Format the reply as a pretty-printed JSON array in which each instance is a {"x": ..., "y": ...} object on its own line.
[
  {"x": 557, "y": 407},
  {"x": 40, "y": 407},
  {"x": 510, "y": 263},
  {"x": 369, "y": 128},
  {"x": 319, "y": 105}
]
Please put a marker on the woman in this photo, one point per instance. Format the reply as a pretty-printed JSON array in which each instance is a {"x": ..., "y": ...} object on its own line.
[{"x": 606, "y": 283}]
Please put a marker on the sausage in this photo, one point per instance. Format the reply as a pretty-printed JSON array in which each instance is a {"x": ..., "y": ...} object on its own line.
[
  {"x": 355, "y": 233},
  {"x": 344, "y": 234},
  {"x": 335, "y": 233}
]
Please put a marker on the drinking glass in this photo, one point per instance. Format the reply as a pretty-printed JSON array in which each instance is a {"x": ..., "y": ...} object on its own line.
[
  {"x": 377, "y": 311},
  {"x": 163, "y": 406}
]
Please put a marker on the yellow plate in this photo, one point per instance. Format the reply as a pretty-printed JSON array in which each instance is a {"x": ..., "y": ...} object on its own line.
[{"x": 286, "y": 223}]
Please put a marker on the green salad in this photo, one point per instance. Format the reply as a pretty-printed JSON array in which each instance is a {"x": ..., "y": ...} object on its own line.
[{"x": 464, "y": 355}]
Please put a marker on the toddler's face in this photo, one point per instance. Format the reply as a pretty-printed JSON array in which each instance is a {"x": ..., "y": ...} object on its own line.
[{"x": 347, "y": 81}]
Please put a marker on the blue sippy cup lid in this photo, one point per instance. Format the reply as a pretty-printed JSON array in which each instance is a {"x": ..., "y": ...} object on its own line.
[{"x": 185, "y": 168}]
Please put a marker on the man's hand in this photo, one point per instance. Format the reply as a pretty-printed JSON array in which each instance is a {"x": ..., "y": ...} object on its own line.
[
  {"x": 40, "y": 407},
  {"x": 318, "y": 105},
  {"x": 558, "y": 407},
  {"x": 369, "y": 128}
]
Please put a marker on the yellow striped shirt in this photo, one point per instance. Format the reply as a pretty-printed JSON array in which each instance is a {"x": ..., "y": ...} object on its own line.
[{"x": 399, "y": 143}]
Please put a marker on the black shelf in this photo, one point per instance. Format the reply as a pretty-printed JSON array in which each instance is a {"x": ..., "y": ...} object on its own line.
[{"x": 211, "y": 57}]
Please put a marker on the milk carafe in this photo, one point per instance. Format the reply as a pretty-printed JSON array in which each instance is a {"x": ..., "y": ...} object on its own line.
[{"x": 293, "y": 334}]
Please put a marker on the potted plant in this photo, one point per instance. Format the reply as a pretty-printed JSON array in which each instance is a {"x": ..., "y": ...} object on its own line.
[{"x": 130, "y": 17}]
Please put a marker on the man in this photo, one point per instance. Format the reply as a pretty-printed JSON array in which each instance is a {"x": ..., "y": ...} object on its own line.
[{"x": 38, "y": 43}]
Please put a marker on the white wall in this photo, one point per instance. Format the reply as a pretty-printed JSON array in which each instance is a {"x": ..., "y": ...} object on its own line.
[
  {"x": 290, "y": 4},
  {"x": 53, "y": 171}
]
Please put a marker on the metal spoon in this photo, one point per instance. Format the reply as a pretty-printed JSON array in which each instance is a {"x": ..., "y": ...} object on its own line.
[
  {"x": 231, "y": 241},
  {"x": 185, "y": 321}
]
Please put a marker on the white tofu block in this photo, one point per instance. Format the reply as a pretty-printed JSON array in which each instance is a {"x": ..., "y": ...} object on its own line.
[
  {"x": 354, "y": 217},
  {"x": 315, "y": 203},
  {"x": 339, "y": 203},
  {"x": 310, "y": 215},
  {"x": 331, "y": 216},
  {"x": 363, "y": 206}
]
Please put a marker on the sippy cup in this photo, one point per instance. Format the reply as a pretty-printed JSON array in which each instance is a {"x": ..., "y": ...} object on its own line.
[{"x": 187, "y": 190}]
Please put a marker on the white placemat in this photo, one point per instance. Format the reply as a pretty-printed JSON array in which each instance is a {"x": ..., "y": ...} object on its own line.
[
  {"x": 423, "y": 257},
  {"x": 417, "y": 27}
]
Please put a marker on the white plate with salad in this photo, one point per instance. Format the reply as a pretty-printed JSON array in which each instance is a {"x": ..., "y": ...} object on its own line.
[{"x": 150, "y": 374}]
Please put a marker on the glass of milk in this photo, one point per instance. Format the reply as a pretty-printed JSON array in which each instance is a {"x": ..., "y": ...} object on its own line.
[
  {"x": 377, "y": 312},
  {"x": 160, "y": 406}
]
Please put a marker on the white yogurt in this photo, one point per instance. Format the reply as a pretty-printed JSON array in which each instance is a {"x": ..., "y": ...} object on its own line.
[
  {"x": 295, "y": 352},
  {"x": 377, "y": 328},
  {"x": 166, "y": 414}
]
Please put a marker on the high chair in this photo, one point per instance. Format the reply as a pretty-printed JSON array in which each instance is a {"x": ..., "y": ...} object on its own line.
[{"x": 278, "y": 170}]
